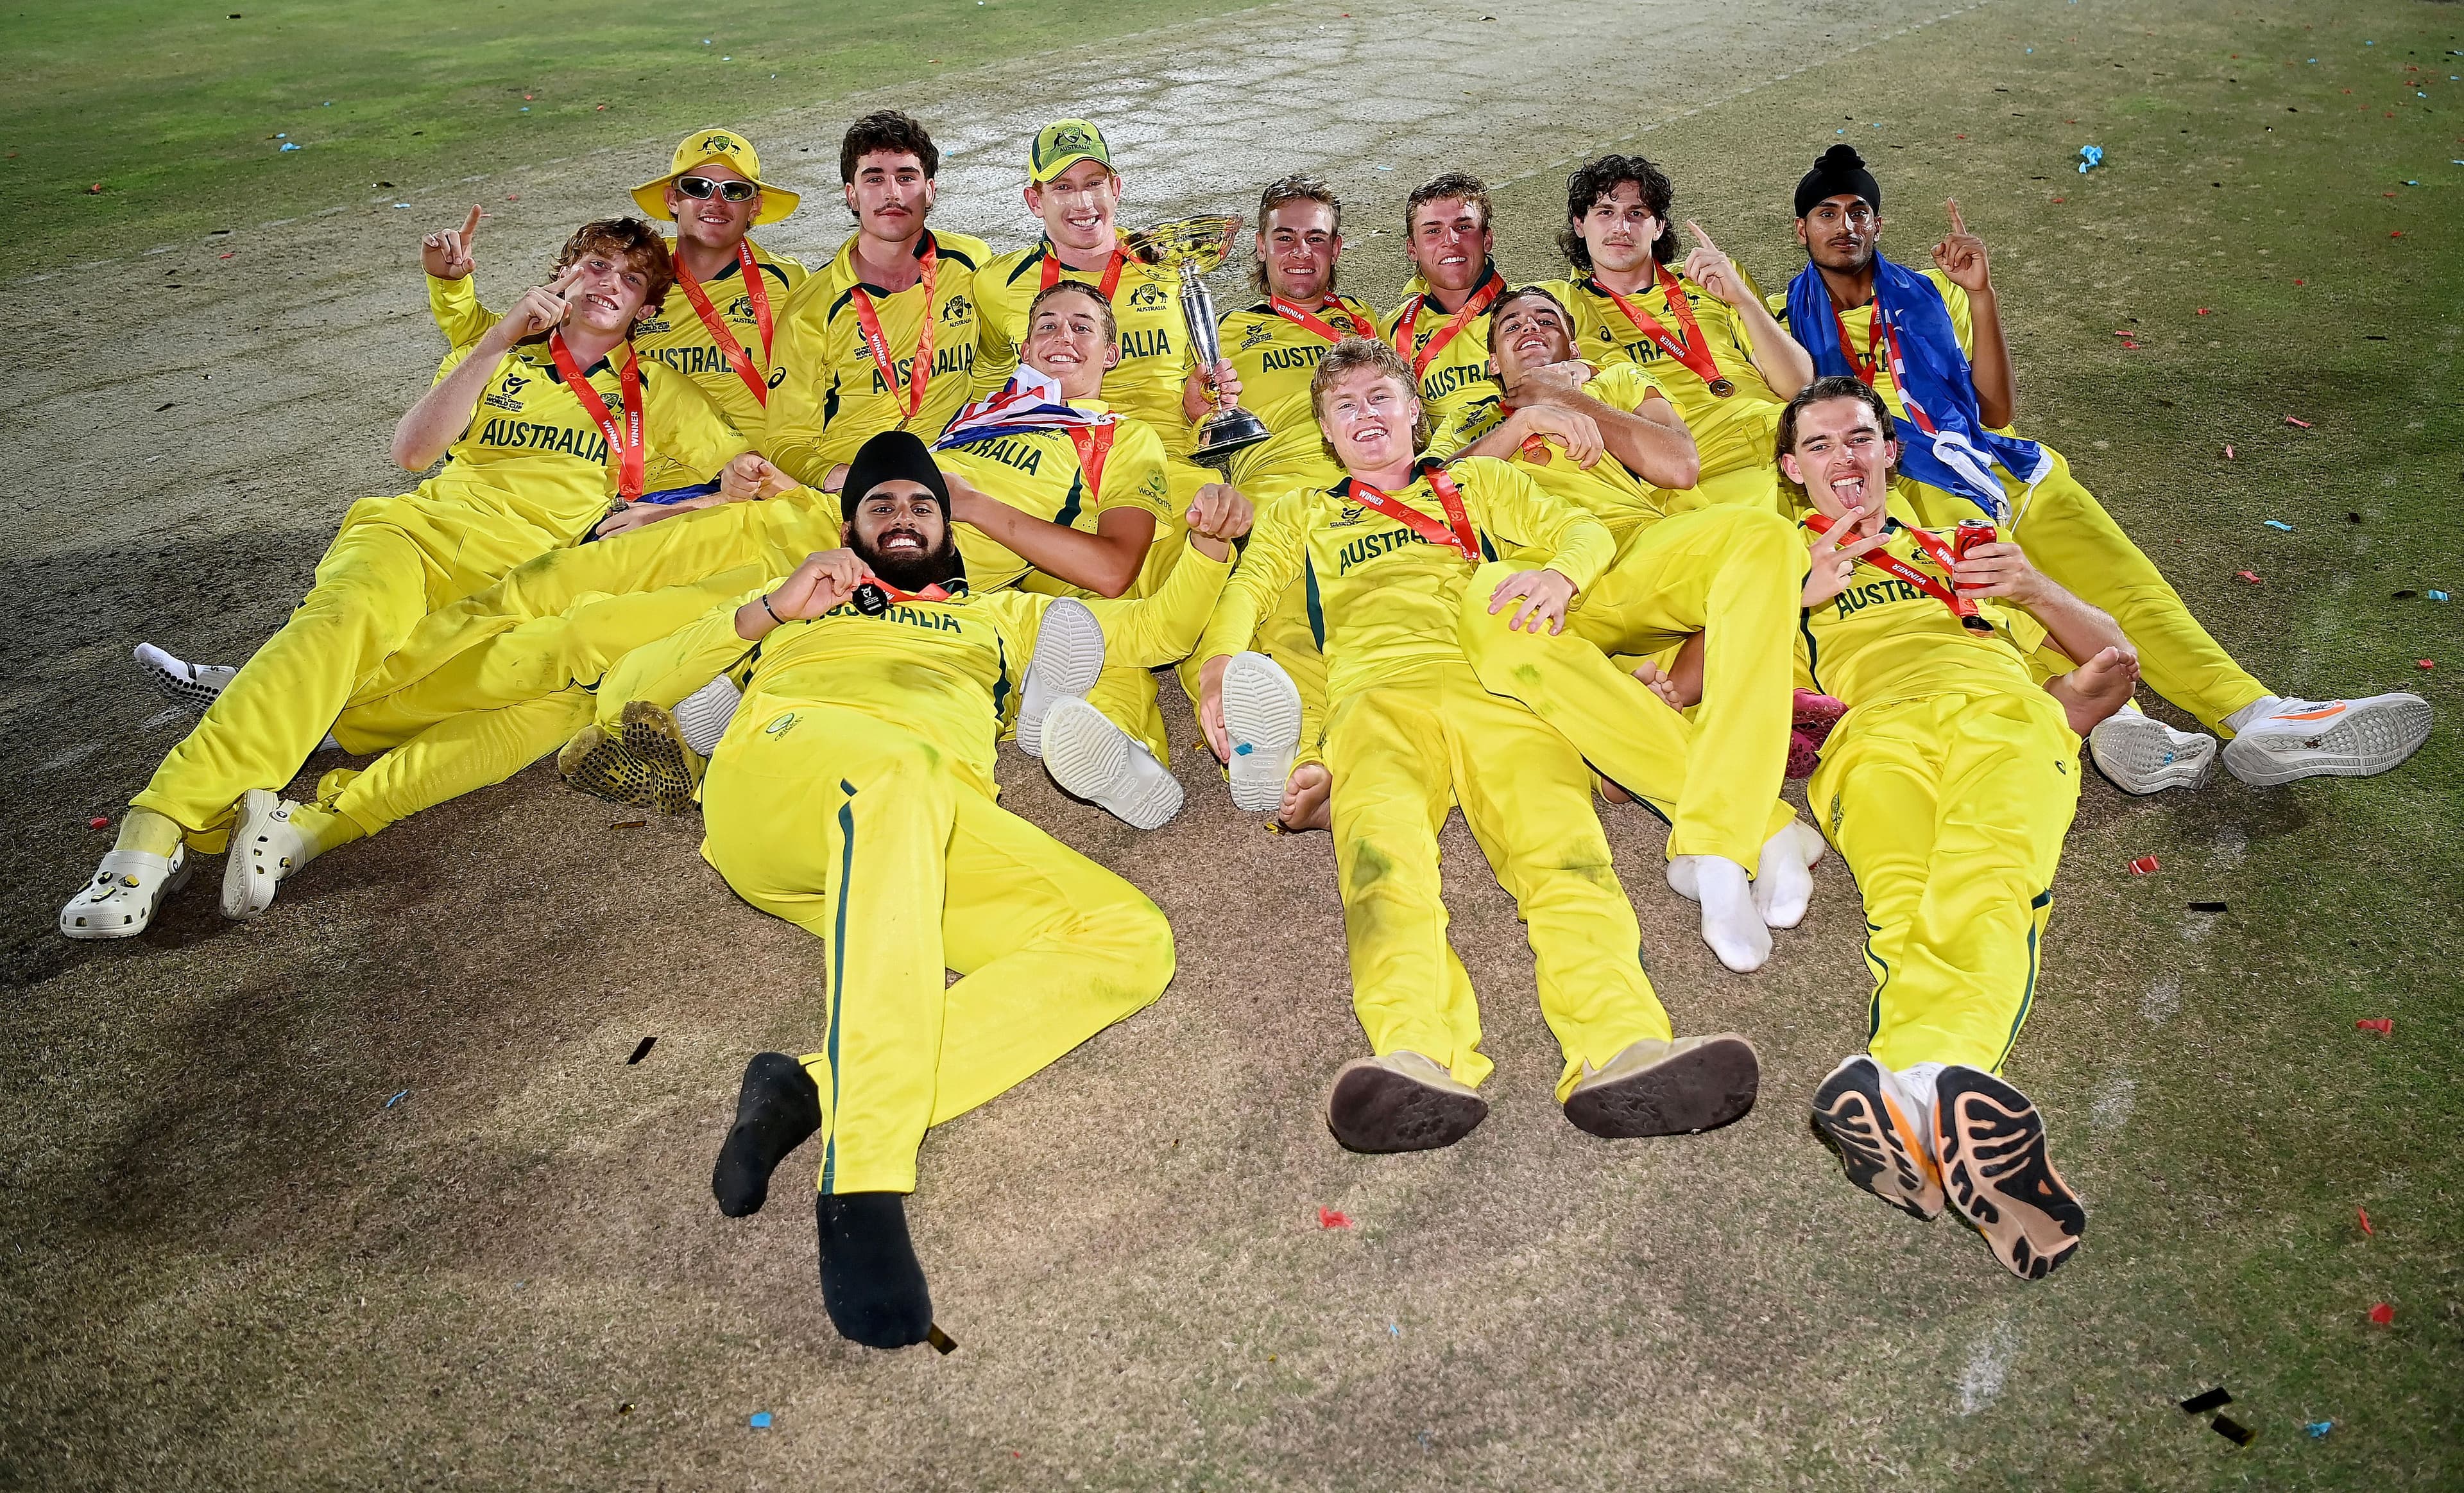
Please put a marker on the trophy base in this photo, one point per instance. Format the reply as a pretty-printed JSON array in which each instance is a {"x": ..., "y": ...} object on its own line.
[{"x": 1225, "y": 433}]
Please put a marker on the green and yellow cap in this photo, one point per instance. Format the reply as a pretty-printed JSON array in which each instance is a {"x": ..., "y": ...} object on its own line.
[{"x": 1061, "y": 145}]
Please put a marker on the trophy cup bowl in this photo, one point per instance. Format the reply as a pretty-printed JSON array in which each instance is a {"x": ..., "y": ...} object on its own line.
[{"x": 1194, "y": 246}]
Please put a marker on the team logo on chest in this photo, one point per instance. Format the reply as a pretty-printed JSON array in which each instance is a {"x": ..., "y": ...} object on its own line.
[
  {"x": 956, "y": 309},
  {"x": 1147, "y": 297},
  {"x": 501, "y": 397}
]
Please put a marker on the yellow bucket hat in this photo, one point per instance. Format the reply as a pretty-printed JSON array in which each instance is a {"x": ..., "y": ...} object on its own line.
[{"x": 723, "y": 148}]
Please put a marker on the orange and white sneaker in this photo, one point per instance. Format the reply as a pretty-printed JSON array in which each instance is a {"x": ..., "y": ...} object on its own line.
[
  {"x": 1879, "y": 1131},
  {"x": 1997, "y": 1174},
  {"x": 2294, "y": 739}
]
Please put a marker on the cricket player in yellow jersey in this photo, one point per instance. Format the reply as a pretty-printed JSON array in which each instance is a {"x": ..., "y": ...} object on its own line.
[
  {"x": 1271, "y": 349},
  {"x": 548, "y": 421},
  {"x": 717, "y": 324},
  {"x": 486, "y": 688},
  {"x": 1441, "y": 327},
  {"x": 1391, "y": 554},
  {"x": 1614, "y": 447},
  {"x": 1949, "y": 786},
  {"x": 1944, "y": 335},
  {"x": 853, "y": 795},
  {"x": 1700, "y": 329},
  {"x": 885, "y": 339}
]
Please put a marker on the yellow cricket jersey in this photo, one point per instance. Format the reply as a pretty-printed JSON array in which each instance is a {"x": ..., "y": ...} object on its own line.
[
  {"x": 1858, "y": 330},
  {"x": 1274, "y": 358},
  {"x": 531, "y": 448},
  {"x": 675, "y": 335},
  {"x": 1457, "y": 378},
  {"x": 949, "y": 670},
  {"x": 1038, "y": 473},
  {"x": 1380, "y": 597},
  {"x": 1608, "y": 492},
  {"x": 1730, "y": 434},
  {"x": 1883, "y": 639},
  {"x": 830, "y": 396},
  {"x": 1146, "y": 304}
]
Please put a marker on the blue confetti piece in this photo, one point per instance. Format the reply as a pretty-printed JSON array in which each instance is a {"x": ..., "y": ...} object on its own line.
[
  {"x": 1396, "y": 1329},
  {"x": 291, "y": 144},
  {"x": 526, "y": 108},
  {"x": 2319, "y": 1429},
  {"x": 397, "y": 1099},
  {"x": 2090, "y": 156},
  {"x": 1244, "y": 749},
  {"x": 2280, "y": 524},
  {"x": 2435, "y": 595},
  {"x": 760, "y": 1420}
]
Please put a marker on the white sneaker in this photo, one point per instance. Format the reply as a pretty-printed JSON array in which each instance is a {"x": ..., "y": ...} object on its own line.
[
  {"x": 2140, "y": 754},
  {"x": 2331, "y": 738},
  {"x": 190, "y": 686},
  {"x": 126, "y": 891},
  {"x": 702, "y": 716},
  {"x": 264, "y": 847},
  {"x": 1095, "y": 760},
  {"x": 1262, "y": 715},
  {"x": 1069, "y": 657},
  {"x": 1731, "y": 923},
  {"x": 1784, "y": 877}
]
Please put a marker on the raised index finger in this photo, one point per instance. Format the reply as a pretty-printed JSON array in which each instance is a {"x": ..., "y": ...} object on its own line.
[
  {"x": 1700, "y": 236},
  {"x": 564, "y": 279},
  {"x": 470, "y": 227},
  {"x": 1958, "y": 225}
]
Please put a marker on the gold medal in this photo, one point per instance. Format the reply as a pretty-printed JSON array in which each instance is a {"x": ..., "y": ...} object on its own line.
[{"x": 1721, "y": 387}]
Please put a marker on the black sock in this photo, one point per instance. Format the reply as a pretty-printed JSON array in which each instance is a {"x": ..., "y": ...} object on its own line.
[
  {"x": 871, "y": 1284},
  {"x": 778, "y": 1107}
]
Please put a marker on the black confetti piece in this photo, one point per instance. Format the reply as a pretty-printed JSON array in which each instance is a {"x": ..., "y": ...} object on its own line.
[
  {"x": 2211, "y": 1400},
  {"x": 643, "y": 1051},
  {"x": 2213, "y": 906},
  {"x": 2234, "y": 1431},
  {"x": 942, "y": 1342}
]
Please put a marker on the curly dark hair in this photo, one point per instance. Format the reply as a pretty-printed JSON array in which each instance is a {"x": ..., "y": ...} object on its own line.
[
  {"x": 1594, "y": 181},
  {"x": 628, "y": 238},
  {"x": 888, "y": 129}
]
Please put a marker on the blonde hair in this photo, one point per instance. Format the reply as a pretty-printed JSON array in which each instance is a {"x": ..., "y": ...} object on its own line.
[{"x": 1349, "y": 357}]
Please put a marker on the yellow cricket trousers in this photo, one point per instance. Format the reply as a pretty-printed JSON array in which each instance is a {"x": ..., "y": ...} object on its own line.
[
  {"x": 1724, "y": 803},
  {"x": 393, "y": 562},
  {"x": 678, "y": 551},
  {"x": 1951, "y": 811},
  {"x": 463, "y": 754},
  {"x": 1402, "y": 752},
  {"x": 2070, "y": 537},
  {"x": 856, "y": 831},
  {"x": 1288, "y": 636}
]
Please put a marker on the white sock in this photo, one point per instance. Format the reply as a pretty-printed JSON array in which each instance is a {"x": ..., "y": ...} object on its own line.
[
  {"x": 2258, "y": 709},
  {"x": 1783, "y": 880},
  {"x": 1731, "y": 925},
  {"x": 1918, "y": 1081}
]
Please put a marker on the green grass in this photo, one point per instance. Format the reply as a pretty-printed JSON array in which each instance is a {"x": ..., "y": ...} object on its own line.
[{"x": 174, "y": 108}]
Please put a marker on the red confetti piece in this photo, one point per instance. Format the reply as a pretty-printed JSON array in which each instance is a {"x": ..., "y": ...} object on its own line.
[
  {"x": 2395, "y": 232},
  {"x": 227, "y": 255},
  {"x": 2144, "y": 865},
  {"x": 512, "y": 196},
  {"x": 97, "y": 822},
  {"x": 1959, "y": 137},
  {"x": 2297, "y": 423},
  {"x": 2203, "y": 310},
  {"x": 2365, "y": 1222},
  {"x": 2383, "y": 1026},
  {"x": 526, "y": 97},
  {"x": 2227, "y": 452},
  {"x": 2425, "y": 663},
  {"x": 2061, "y": 199},
  {"x": 95, "y": 190},
  {"x": 1331, "y": 1218},
  {"x": 2250, "y": 576},
  {"x": 2383, "y": 1314}
]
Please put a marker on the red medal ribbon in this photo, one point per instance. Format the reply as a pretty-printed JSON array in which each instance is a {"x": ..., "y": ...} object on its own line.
[
  {"x": 919, "y": 372},
  {"x": 756, "y": 292},
  {"x": 927, "y": 593},
  {"x": 1893, "y": 566},
  {"x": 1875, "y": 332},
  {"x": 1308, "y": 319},
  {"x": 1112, "y": 272},
  {"x": 1456, "y": 531},
  {"x": 1094, "y": 443},
  {"x": 624, "y": 441},
  {"x": 1408, "y": 320},
  {"x": 1687, "y": 345}
]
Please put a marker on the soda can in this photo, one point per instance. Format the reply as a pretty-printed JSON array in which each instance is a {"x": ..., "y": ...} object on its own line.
[{"x": 1970, "y": 533}]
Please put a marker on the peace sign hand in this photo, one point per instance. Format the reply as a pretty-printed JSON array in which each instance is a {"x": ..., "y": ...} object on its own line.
[
  {"x": 542, "y": 306},
  {"x": 1715, "y": 272},
  {"x": 1835, "y": 562},
  {"x": 1961, "y": 253},
  {"x": 448, "y": 255}
]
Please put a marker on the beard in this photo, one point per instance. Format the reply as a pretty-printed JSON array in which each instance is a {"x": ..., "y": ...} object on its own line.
[{"x": 912, "y": 572}]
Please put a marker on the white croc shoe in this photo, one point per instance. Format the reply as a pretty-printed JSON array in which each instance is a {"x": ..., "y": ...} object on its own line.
[
  {"x": 264, "y": 847},
  {"x": 1262, "y": 715},
  {"x": 126, "y": 891},
  {"x": 1069, "y": 657},
  {"x": 190, "y": 686},
  {"x": 2328, "y": 738},
  {"x": 2142, "y": 755},
  {"x": 1095, "y": 760}
]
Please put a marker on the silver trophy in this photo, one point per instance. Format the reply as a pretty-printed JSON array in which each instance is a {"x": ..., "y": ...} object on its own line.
[{"x": 1195, "y": 246}]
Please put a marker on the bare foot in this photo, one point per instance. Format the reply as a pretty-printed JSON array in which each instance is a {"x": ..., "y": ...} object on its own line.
[
  {"x": 1306, "y": 794},
  {"x": 2097, "y": 688},
  {"x": 1681, "y": 683}
]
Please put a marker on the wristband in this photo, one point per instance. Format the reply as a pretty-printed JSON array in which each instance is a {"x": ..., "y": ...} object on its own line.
[{"x": 774, "y": 614}]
